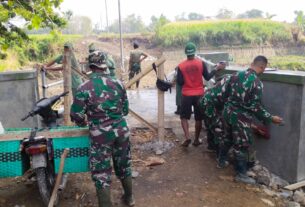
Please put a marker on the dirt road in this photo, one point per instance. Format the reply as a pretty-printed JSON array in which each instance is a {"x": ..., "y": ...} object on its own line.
[{"x": 188, "y": 178}]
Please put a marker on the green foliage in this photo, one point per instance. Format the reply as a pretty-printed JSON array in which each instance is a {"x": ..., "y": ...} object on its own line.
[
  {"x": 35, "y": 14},
  {"x": 195, "y": 16},
  {"x": 224, "y": 32},
  {"x": 40, "y": 48},
  {"x": 78, "y": 25},
  {"x": 224, "y": 14},
  {"x": 251, "y": 14},
  {"x": 157, "y": 23},
  {"x": 288, "y": 62},
  {"x": 131, "y": 24},
  {"x": 300, "y": 20}
]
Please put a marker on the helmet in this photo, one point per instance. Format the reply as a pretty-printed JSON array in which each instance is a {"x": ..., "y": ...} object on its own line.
[
  {"x": 97, "y": 59},
  {"x": 190, "y": 49},
  {"x": 91, "y": 48}
]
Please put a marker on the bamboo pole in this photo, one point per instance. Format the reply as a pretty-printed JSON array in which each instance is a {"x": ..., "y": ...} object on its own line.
[
  {"x": 58, "y": 178},
  {"x": 161, "y": 105},
  {"x": 144, "y": 72},
  {"x": 139, "y": 118},
  {"x": 67, "y": 87}
]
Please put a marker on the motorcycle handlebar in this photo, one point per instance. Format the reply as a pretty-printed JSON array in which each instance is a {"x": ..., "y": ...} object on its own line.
[{"x": 27, "y": 116}]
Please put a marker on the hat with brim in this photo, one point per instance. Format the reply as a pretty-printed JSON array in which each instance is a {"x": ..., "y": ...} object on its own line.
[{"x": 99, "y": 66}]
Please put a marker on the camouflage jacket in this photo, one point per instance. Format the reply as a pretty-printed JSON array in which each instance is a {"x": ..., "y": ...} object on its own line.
[
  {"x": 245, "y": 92},
  {"x": 102, "y": 99},
  {"x": 215, "y": 97}
]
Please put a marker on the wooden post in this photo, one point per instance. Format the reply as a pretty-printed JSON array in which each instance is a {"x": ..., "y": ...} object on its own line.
[
  {"x": 161, "y": 105},
  {"x": 67, "y": 87}
]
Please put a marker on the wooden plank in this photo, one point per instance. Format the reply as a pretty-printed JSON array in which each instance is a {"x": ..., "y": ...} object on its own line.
[
  {"x": 67, "y": 87},
  {"x": 47, "y": 134},
  {"x": 58, "y": 178},
  {"x": 295, "y": 186},
  {"x": 144, "y": 72},
  {"x": 161, "y": 105},
  {"x": 146, "y": 123}
]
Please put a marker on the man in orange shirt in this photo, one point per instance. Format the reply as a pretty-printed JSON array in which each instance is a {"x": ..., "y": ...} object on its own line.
[{"x": 189, "y": 76}]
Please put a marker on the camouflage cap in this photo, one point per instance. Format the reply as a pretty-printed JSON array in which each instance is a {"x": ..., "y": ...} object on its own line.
[
  {"x": 68, "y": 45},
  {"x": 98, "y": 59}
]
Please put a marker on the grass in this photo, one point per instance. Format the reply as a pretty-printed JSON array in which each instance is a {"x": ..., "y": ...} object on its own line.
[
  {"x": 10, "y": 63},
  {"x": 224, "y": 32},
  {"x": 288, "y": 62}
]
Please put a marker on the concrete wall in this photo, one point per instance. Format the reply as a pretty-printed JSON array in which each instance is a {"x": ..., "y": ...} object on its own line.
[
  {"x": 19, "y": 92},
  {"x": 284, "y": 153}
]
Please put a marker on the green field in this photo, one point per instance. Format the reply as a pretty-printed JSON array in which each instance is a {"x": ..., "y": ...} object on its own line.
[
  {"x": 39, "y": 49},
  {"x": 288, "y": 62},
  {"x": 224, "y": 32}
]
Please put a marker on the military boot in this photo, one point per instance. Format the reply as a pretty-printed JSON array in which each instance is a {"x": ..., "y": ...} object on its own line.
[
  {"x": 222, "y": 156},
  {"x": 241, "y": 169},
  {"x": 128, "y": 198},
  {"x": 104, "y": 197}
]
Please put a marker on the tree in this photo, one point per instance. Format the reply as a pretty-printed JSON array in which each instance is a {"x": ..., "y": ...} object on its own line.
[
  {"x": 224, "y": 14},
  {"x": 195, "y": 16},
  {"x": 181, "y": 17},
  {"x": 131, "y": 24},
  {"x": 251, "y": 14},
  {"x": 269, "y": 16},
  {"x": 300, "y": 20},
  {"x": 33, "y": 13},
  {"x": 156, "y": 23},
  {"x": 79, "y": 25}
]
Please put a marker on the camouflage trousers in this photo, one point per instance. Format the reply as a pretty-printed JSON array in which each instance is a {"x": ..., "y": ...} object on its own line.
[
  {"x": 109, "y": 143},
  {"x": 133, "y": 72},
  {"x": 214, "y": 122},
  {"x": 238, "y": 131}
]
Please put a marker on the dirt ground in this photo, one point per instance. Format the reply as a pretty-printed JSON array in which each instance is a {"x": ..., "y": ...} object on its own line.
[{"x": 188, "y": 177}]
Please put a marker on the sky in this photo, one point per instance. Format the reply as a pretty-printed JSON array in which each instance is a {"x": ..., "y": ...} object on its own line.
[{"x": 95, "y": 9}]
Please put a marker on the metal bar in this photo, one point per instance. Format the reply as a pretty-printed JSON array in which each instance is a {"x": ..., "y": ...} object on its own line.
[
  {"x": 121, "y": 40},
  {"x": 43, "y": 82},
  {"x": 106, "y": 8},
  {"x": 53, "y": 84}
]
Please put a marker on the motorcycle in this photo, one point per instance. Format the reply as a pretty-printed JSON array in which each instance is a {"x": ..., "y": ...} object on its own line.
[{"x": 39, "y": 150}]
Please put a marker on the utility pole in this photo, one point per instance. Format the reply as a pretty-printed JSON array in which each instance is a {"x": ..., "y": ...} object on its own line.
[
  {"x": 101, "y": 22},
  {"x": 121, "y": 40},
  {"x": 106, "y": 8}
]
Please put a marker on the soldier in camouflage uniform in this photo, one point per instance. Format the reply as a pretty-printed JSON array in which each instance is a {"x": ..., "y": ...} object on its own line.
[
  {"x": 109, "y": 61},
  {"x": 104, "y": 101},
  {"x": 211, "y": 105},
  {"x": 76, "y": 79},
  {"x": 244, "y": 103},
  {"x": 135, "y": 59}
]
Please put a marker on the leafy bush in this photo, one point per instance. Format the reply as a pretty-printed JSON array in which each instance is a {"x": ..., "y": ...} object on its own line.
[{"x": 224, "y": 32}]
